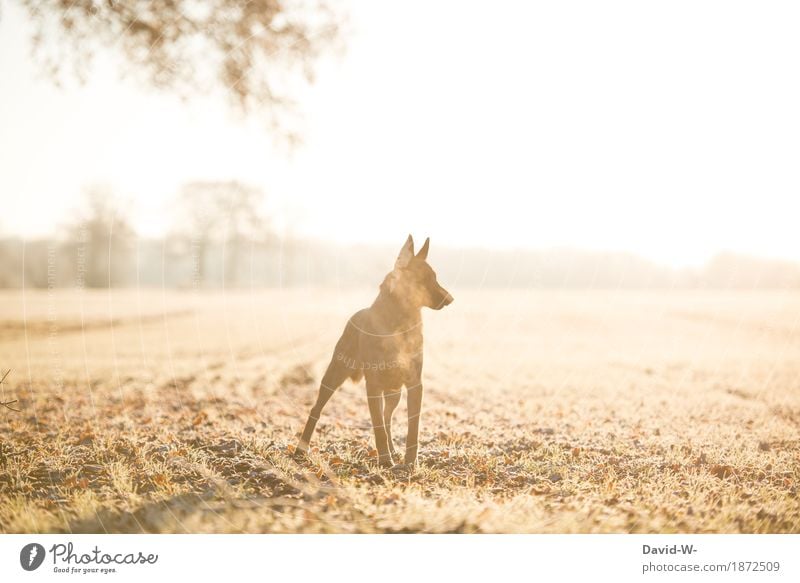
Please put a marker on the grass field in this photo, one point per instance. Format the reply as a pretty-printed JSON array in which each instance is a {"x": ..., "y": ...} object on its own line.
[{"x": 544, "y": 411}]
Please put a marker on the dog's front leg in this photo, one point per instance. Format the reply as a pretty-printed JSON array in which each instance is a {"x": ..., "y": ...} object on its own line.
[
  {"x": 390, "y": 402},
  {"x": 375, "y": 399},
  {"x": 414, "y": 411}
]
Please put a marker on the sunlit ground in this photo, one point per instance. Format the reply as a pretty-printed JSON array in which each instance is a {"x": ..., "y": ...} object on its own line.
[{"x": 544, "y": 412}]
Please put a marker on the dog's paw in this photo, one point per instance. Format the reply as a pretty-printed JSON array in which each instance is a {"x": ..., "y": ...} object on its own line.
[
  {"x": 402, "y": 470},
  {"x": 300, "y": 455}
]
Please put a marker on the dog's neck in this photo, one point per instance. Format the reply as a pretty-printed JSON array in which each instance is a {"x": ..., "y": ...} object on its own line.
[{"x": 396, "y": 311}]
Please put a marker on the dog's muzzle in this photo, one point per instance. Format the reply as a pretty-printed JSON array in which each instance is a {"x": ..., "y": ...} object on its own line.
[{"x": 447, "y": 299}]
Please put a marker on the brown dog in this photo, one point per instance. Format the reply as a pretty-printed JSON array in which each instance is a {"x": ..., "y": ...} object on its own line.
[{"x": 383, "y": 343}]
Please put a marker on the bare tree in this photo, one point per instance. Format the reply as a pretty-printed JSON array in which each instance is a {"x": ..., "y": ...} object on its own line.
[
  {"x": 101, "y": 239},
  {"x": 227, "y": 212},
  {"x": 243, "y": 223},
  {"x": 246, "y": 48}
]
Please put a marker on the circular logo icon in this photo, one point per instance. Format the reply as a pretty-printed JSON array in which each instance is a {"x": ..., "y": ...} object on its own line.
[{"x": 31, "y": 556}]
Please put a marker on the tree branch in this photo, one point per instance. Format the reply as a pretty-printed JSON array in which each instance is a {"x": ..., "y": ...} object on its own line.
[{"x": 7, "y": 404}]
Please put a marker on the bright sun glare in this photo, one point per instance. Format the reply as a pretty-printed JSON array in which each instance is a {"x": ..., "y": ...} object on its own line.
[{"x": 528, "y": 126}]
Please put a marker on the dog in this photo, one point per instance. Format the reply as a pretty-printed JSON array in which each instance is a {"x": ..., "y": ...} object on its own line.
[{"x": 383, "y": 344}]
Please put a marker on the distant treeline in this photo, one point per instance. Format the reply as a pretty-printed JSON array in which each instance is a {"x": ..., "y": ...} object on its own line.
[{"x": 178, "y": 263}]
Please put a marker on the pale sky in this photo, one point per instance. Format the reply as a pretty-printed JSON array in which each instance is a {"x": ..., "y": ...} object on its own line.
[{"x": 668, "y": 129}]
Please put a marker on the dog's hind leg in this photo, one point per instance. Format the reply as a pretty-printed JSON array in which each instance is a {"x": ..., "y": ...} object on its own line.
[
  {"x": 332, "y": 380},
  {"x": 414, "y": 412},
  {"x": 390, "y": 402}
]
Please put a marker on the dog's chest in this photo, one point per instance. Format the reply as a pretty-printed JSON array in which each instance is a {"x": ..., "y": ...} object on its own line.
[{"x": 393, "y": 351}]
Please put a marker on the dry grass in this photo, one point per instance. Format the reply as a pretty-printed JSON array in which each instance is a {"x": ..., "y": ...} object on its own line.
[{"x": 544, "y": 412}]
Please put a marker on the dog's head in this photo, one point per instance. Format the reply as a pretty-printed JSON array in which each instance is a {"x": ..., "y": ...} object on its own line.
[{"x": 415, "y": 281}]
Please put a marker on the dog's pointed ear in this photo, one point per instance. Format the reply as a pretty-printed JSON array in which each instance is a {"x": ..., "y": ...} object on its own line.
[
  {"x": 423, "y": 253},
  {"x": 406, "y": 254}
]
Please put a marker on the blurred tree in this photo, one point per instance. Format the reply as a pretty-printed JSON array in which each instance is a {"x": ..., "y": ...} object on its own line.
[
  {"x": 246, "y": 48},
  {"x": 222, "y": 211},
  {"x": 243, "y": 223},
  {"x": 101, "y": 239}
]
